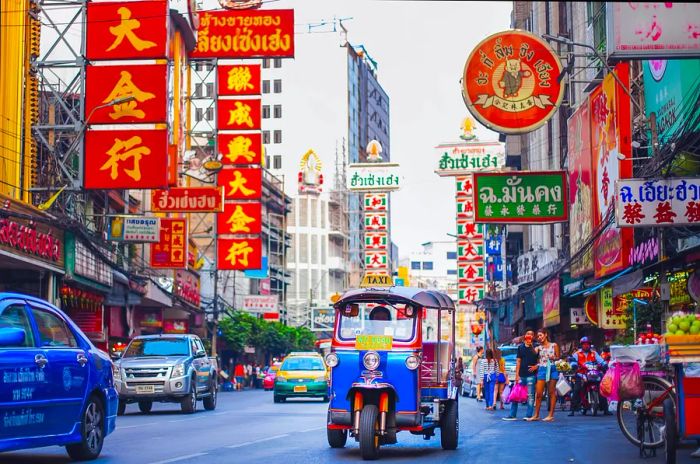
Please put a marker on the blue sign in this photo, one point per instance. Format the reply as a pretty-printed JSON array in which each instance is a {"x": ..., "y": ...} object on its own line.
[
  {"x": 262, "y": 273},
  {"x": 493, "y": 239},
  {"x": 494, "y": 268},
  {"x": 399, "y": 282}
]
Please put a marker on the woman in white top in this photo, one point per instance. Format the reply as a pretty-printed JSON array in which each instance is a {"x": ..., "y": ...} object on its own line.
[
  {"x": 488, "y": 370},
  {"x": 546, "y": 374}
]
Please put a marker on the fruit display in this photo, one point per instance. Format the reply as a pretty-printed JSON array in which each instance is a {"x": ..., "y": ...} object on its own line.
[
  {"x": 683, "y": 337},
  {"x": 649, "y": 337},
  {"x": 562, "y": 366},
  {"x": 681, "y": 323}
]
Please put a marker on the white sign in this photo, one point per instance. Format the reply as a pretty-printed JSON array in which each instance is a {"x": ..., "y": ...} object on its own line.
[
  {"x": 137, "y": 229},
  {"x": 322, "y": 319},
  {"x": 261, "y": 303},
  {"x": 667, "y": 202},
  {"x": 578, "y": 317},
  {"x": 460, "y": 158},
  {"x": 532, "y": 261},
  {"x": 373, "y": 177},
  {"x": 652, "y": 30}
]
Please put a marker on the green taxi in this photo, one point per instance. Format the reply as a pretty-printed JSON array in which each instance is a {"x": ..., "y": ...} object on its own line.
[{"x": 302, "y": 375}]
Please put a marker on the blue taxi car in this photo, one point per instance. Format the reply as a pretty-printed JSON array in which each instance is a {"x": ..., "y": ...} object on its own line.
[{"x": 56, "y": 388}]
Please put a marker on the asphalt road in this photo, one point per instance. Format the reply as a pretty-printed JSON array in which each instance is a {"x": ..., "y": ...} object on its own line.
[{"x": 247, "y": 427}]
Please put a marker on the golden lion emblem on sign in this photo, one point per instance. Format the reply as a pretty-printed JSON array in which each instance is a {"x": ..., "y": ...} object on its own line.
[{"x": 513, "y": 75}]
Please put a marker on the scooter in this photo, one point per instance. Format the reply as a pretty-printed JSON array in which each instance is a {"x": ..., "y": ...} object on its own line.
[{"x": 590, "y": 393}]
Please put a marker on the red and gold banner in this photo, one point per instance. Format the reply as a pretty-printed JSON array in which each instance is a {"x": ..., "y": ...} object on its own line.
[
  {"x": 239, "y": 79},
  {"x": 171, "y": 251},
  {"x": 241, "y": 183},
  {"x": 237, "y": 114},
  {"x": 188, "y": 199},
  {"x": 127, "y": 30},
  {"x": 239, "y": 254},
  {"x": 146, "y": 84},
  {"x": 126, "y": 159},
  {"x": 240, "y": 148},
  {"x": 240, "y": 218},
  {"x": 245, "y": 33}
]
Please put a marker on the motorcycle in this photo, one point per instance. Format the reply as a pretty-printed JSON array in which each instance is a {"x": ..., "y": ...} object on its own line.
[{"x": 590, "y": 393}]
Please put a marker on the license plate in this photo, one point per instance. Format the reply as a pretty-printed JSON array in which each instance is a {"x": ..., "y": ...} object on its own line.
[
  {"x": 144, "y": 389},
  {"x": 300, "y": 389}
]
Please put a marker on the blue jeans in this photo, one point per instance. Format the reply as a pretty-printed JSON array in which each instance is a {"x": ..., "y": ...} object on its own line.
[
  {"x": 529, "y": 382},
  {"x": 489, "y": 384}
]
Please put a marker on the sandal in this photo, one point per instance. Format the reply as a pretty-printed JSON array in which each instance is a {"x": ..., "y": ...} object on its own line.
[
  {"x": 548, "y": 419},
  {"x": 532, "y": 419}
]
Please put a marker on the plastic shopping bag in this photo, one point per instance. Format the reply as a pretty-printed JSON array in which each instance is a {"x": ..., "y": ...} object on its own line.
[
  {"x": 563, "y": 386},
  {"x": 506, "y": 394},
  {"x": 610, "y": 383},
  {"x": 518, "y": 394},
  {"x": 630, "y": 384}
]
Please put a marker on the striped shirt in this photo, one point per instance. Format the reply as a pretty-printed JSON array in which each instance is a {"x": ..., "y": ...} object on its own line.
[{"x": 487, "y": 367}]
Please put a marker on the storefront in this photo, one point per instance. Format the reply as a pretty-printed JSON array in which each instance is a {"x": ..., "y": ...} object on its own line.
[{"x": 31, "y": 251}]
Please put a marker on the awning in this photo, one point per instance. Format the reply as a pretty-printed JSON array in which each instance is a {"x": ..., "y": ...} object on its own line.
[
  {"x": 156, "y": 296},
  {"x": 120, "y": 294}
]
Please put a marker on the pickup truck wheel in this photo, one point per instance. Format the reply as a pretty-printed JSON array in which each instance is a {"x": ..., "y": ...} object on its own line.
[
  {"x": 189, "y": 403},
  {"x": 145, "y": 406},
  {"x": 210, "y": 401},
  {"x": 121, "y": 408},
  {"x": 91, "y": 432}
]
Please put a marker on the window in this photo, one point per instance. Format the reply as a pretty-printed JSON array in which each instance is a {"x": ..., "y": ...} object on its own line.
[
  {"x": 451, "y": 255},
  {"x": 266, "y": 86},
  {"x": 427, "y": 265},
  {"x": 277, "y": 162},
  {"x": 15, "y": 317},
  {"x": 266, "y": 137},
  {"x": 452, "y": 272},
  {"x": 278, "y": 111},
  {"x": 278, "y": 85},
  {"x": 266, "y": 112},
  {"x": 278, "y": 62},
  {"x": 278, "y": 136},
  {"x": 267, "y": 160},
  {"x": 415, "y": 265},
  {"x": 54, "y": 332},
  {"x": 266, "y": 63},
  {"x": 198, "y": 90},
  {"x": 209, "y": 116},
  {"x": 210, "y": 89},
  {"x": 158, "y": 347},
  {"x": 198, "y": 114}
]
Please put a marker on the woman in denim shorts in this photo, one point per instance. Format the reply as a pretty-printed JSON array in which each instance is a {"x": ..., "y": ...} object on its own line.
[{"x": 546, "y": 374}]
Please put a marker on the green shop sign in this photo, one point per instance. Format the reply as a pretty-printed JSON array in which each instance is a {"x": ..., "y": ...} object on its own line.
[{"x": 523, "y": 197}]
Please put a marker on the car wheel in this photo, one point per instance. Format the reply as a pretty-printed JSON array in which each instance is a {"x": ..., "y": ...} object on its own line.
[
  {"x": 210, "y": 401},
  {"x": 121, "y": 409},
  {"x": 278, "y": 399},
  {"x": 145, "y": 406},
  {"x": 337, "y": 438},
  {"x": 449, "y": 426},
  {"x": 92, "y": 432},
  {"x": 189, "y": 403}
]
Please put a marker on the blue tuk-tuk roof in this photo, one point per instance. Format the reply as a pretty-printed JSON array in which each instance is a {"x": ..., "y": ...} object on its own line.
[{"x": 416, "y": 296}]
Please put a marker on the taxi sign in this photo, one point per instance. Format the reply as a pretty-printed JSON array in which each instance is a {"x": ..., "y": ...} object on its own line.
[
  {"x": 374, "y": 342},
  {"x": 377, "y": 280}
]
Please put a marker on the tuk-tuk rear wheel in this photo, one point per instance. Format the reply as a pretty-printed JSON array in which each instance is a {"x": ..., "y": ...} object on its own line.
[
  {"x": 369, "y": 425},
  {"x": 337, "y": 438},
  {"x": 449, "y": 426}
]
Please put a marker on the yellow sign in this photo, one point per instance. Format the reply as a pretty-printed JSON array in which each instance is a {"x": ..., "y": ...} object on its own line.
[
  {"x": 374, "y": 342},
  {"x": 377, "y": 280}
]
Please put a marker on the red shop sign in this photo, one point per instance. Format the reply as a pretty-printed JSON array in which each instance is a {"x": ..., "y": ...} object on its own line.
[
  {"x": 239, "y": 254},
  {"x": 240, "y": 148},
  {"x": 240, "y": 218},
  {"x": 239, "y": 79},
  {"x": 171, "y": 251},
  {"x": 241, "y": 183},
  {"x": 237, "y": 114}
]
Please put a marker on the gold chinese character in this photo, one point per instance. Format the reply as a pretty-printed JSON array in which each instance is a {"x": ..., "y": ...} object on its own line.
[
  {"x": 238, "y": 183},
  {"x": 239, "y": 221},
  {"x": 239, "y": 78},
  {"x": 241, "y": 115},
  {"x": 123, "y": 150},
  {"x": 240, "y": 147},
  {"x": 126, "y": 30},
  {"x": 126, "y": 88},
  {"x": 242, "y": 249}
]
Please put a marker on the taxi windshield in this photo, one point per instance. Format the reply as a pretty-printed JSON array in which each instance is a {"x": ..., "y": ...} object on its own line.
[
  {"x": 379, "y": 319},
  {"x": 303, "y": 364}
]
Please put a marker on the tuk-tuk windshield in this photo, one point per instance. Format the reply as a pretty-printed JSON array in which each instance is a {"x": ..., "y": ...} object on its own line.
[{"x": 379, "y": 319}]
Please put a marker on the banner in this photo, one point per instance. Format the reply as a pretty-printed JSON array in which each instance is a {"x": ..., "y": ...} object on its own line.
[
  {"x": 240, "y": 148},
  {"x": 375, "y": 177},
  {"x": 239, "y": 79},
  {"x": 238, "y": 114},
  {"x": 376, "y": 221},
  {"x": 239, "y": 254},
  {"x": 187, "y": 199},
  {"x": 550, "y": 304},
  {"x": 240, "y": 218},
  {"x": 261, "y": 303},
  {"x": 664, "y": 202},
  {"x": 241, "y": 183},
  {"x": 376, "y": 201}
]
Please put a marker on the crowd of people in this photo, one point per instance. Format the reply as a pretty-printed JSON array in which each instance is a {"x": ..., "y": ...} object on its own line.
[{"x": 244, "y": 375}]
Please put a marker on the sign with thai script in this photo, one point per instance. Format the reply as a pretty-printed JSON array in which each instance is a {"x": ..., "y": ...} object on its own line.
[
  {"x": 245, "y": 34},
  {"x": 374, "y": 342},
  {"x": 578, "y": 317},
  {"x": 611, "y": 316},
  {"x": 171, "y": 250},
  {"x": 375, "y": 177},
  {"x": 137, "y": 229},
  {"x": 187, "y": 199},
  {"x": 652, "y": 30},
  {"x": 186, "y": 285},
  {"x": 550, "y": 304},
  {"x": 322, "y": 319},
  {"x": 261, "y": 303},
  {"x": 465, "y": 157},
  {"x": 239, "y": 254},
  {"x": 38, "y": 241},
  {"x": 510, "y": 82},
  {"x": 663, "y": 202},
  {"x": 523, "y": 197}
]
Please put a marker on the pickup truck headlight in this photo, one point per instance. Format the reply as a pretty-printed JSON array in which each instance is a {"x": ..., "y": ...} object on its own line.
[
  {"x": 116, "y": 372},
  {"x": 178, "y": 371}
]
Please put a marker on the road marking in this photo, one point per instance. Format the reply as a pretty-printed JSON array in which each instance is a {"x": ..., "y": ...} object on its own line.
[
  {"x": 180, "y": 458},
  {"x": 312, "y": 429},
  {"x": 185, "y": 420},
  {"x": 255, "y": 442},
  {"x": 137, "y": 425}
]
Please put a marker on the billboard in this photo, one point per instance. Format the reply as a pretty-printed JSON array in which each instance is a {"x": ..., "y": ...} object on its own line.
[
  {"x": 374, "y": 177},
  {"x": 240, "y": 218},
  {"x": 239, "y": 79},
  {"x": 136, "y": 229},
  {"x": 239, "y": 254},
  {"x": 465, "y": 157},
  {"x": 662, "y": 202}
]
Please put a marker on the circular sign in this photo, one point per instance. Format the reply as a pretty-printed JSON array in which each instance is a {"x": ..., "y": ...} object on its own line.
[
  {"x": 510, "y": 82},
  {"x": 590, "y": 306},
  {"x": 657, "y": 69}
]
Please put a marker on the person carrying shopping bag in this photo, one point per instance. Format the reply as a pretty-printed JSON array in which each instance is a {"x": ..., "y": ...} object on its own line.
[
  {"x": 548, "y": 353},
  {"x": 526, "y": 366}
]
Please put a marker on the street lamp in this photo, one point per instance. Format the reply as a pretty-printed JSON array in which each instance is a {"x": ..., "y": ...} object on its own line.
[{"x": 636, "y": 301}]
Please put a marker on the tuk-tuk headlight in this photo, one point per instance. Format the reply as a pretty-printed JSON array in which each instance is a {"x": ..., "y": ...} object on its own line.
[
  {"x": 371, "y": 360},
  {"x": 331, "y": 360},
  {"x": 412, "y": 362}
]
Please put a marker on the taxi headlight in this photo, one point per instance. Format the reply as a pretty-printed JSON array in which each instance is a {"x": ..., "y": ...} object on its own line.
[
  {"x": 320, "y": 379},
  {"x": 412, "y": 362},
  {"x": 280, "y": 379},
  {"x": 371, "y": 360},
  {"x": 178, "y": 370},
  {"x": 332, "y": 360}
]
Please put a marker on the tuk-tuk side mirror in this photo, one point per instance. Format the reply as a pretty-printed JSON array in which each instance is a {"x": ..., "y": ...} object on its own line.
[{"x": 351, "y": 310}]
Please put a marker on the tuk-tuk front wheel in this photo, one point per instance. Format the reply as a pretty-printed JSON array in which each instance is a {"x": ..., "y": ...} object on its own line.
[
  {"x": 449, "y": 426},
  {"x": 369, "y": 426},
  {"x": 337, "y": 438}
]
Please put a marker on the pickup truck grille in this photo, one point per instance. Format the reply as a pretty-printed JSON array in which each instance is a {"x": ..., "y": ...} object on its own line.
[{"x": 146, "y": 372}]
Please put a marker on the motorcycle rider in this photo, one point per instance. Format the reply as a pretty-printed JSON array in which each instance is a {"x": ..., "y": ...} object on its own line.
[{"x": 585, "y": 354}]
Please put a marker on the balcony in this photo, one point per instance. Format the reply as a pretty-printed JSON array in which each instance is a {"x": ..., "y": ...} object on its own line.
[{"x": 336, "y": 263}]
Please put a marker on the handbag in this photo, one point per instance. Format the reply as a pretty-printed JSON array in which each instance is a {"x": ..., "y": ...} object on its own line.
[
  {"x": 563, "y": 387},
  {"x": 506, "y": 394}
]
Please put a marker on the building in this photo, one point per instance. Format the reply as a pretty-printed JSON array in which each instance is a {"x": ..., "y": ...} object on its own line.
[{"x": 434, "y": 267}]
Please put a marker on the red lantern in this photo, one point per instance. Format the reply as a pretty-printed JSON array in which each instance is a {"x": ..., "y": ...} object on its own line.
[{"x": 476, "y": 329}]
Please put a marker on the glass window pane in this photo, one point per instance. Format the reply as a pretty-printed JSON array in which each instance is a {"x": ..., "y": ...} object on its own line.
[
  {"x": 53, "y": 330},
  {"x": 415, "y": 265},
  {"x": 265, "y": 86},
  {"x": 314, "y": 249},
  {"x": 14, "y": 316}
]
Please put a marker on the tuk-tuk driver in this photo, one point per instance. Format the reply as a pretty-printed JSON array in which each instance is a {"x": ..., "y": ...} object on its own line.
[{"x": 380, "y": 313}]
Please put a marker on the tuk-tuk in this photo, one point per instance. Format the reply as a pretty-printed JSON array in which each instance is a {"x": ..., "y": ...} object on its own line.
[{"x": 389, "y": 371}]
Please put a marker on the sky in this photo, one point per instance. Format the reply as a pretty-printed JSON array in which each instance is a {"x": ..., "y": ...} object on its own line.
[{"x": 421, "y": 48}]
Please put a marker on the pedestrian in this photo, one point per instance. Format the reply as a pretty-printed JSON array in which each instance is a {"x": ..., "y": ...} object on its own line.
[
  {"x": 239, "y": 375},
  {"x": 249, "y": 374},
  {"x": 489, "y": 369},
  {"x": 476, "y": 373},
  {"x": 501, "y": 376},
  {"x": 526, "y": 365},
  {"x": 256, "y": 373},
  {"x": 459, "y": 375},
  {"x": 547, "y": 352}
]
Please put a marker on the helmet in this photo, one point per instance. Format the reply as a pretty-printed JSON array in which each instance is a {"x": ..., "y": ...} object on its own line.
[{"x": 584, "y": 340}]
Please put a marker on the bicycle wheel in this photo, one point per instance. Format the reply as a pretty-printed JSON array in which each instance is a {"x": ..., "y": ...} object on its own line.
[{"x": 629, "y": 411}]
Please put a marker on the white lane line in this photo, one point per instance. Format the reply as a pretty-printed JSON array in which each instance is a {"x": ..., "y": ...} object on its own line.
[
  {"x": 255, "y": 442},
  {"x": 185, "y": 420},
  {"x": 180, "y": 458},
  {"x": 311, "y": 429},
  {"x": 134, "y": 426}
]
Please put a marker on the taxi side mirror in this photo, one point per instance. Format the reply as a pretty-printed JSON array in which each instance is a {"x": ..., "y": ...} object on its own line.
[{"x": 351, "y": 310}]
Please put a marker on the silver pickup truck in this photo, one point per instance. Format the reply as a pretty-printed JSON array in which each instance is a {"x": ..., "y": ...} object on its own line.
[{"x": 166, "y": 368}]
